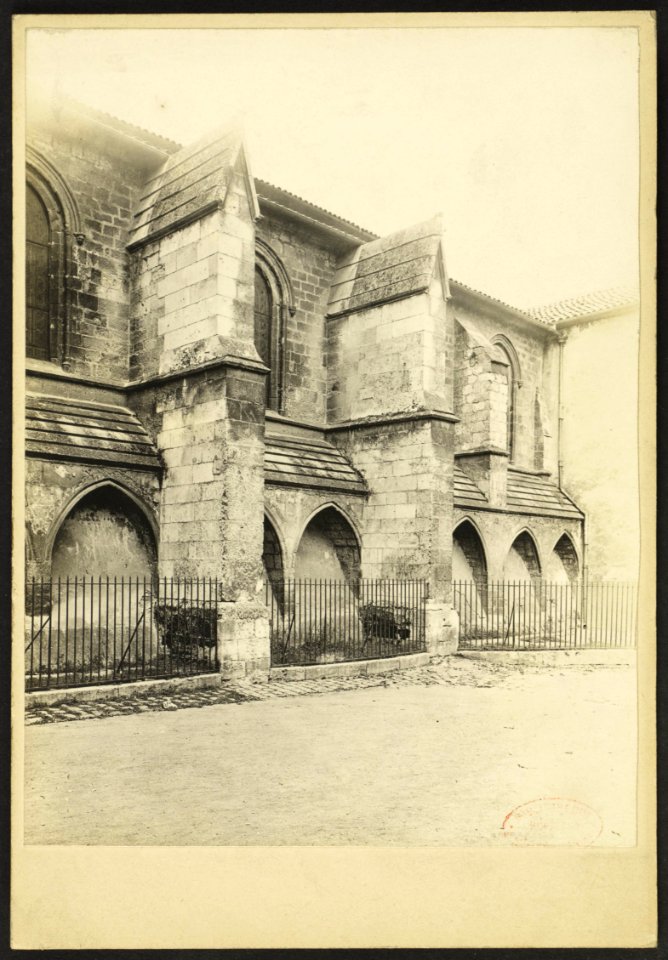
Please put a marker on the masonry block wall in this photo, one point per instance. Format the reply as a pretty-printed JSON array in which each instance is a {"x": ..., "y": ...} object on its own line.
[
  {"x": 193, "y": 291},
  {"x": 530, "y": 347},
  {"x": 52, "y": 488},
  {"x": 389, "y": 358},
  {"x": 499, "y": 530},
  {"x": 407, "y": 520},
  {"x": 472, "y": 389},
  {"x": 310, "y": 266},
  {"x": 499, "y": 398},
  {"x": 386, "y": 361},
  {"x": 106, "y": 185},
  {"x": 290, "y": 508}
]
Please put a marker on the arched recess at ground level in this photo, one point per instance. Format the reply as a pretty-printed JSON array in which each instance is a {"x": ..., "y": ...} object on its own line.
[
  {"x": 564, "y": 566},
  {"x": 273, "y": 564},
  {"x": 468, "y": 554},
  {"x": 329, "y": 548},
  {"x": 522, "y": 563},
  {"x": 105, "y": 534},
  {"x": 469, "y": 575}
]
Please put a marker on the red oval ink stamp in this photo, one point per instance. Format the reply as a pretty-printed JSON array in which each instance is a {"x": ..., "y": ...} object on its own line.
[{"x": 553, "y": 821}]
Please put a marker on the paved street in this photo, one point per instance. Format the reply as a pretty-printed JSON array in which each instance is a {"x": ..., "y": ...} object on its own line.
[{"x": 462, "y": 752}]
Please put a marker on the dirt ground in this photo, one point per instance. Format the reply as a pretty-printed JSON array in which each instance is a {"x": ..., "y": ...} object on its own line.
[{"x": 471, "y": 751}]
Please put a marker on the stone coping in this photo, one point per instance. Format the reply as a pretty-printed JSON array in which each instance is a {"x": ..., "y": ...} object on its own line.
[
  {"x": 115, "y": 691},
  {"x": 605, "y": 655},
  {"x": 350, "y": 668}
]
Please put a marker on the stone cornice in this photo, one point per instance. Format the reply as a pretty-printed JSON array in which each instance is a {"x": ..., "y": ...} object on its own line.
[
  {"x": 381, "y": 420},
  {"x": 229, "y": 361}
]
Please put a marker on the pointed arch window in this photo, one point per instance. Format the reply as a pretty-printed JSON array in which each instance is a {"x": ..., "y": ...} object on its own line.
[
  {"x": 505, "y": 354},
  {"x": 273, "y": 305},
  {"x": 264, "y": 334},
  {"x": 39, "y": 278},
  {"x": 51, "y": 222}
]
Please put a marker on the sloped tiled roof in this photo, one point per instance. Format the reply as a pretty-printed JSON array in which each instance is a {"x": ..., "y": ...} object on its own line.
[
  {"x": 92, "y": 432},
  {"x": 131, "y": 130},
  {"x": 309, "y": 463},
  {"x": 399, "y": 265},
  {"x": 277, "y": 195},
  {"x": 529, "y": 493},
  {"x": 191, "y": 181},
  {"x": 591, "y": 303},
  {"x": 467, "y": 494},
  {"x": 69, "y": 111}
]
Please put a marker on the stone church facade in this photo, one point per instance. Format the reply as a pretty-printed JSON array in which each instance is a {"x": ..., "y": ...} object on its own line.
[{"x": 225, "y": 380}]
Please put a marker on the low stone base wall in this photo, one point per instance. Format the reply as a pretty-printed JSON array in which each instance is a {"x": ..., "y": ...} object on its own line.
[
  {"x": 350, "y": 668},
  {"x": 603, "y": 657},
  {"x": 116, "y": 691}
]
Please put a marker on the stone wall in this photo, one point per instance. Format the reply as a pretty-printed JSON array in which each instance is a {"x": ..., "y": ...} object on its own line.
[
  {"x": 310, "y": 267},
  {"x": 498, "y": 530},
  {"x": 192, "y": 292},
  {"x": 478, "y": 375},
  {"x": 390, "y": 358},
  {"x": 407, "y": 520},
  {"x": 105, "y": 185},
  {"x": 289, "y": 510},
  {"x": 210, "y": 432},
  {"x": 53, "y": 488}
]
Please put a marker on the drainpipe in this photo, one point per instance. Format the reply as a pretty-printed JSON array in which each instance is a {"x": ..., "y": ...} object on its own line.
[
  {"x": 560, "y": 460},
  {"x": 560, "y": 409}
]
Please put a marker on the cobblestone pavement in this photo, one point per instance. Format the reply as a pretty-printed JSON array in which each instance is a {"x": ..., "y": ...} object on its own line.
[{"x": 458, "y": 670}]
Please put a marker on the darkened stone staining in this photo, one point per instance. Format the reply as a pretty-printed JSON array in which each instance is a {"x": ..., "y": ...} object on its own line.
[
  {"x": 190, "y": 180},
  {"x": 522, "y": 561},
  {"x": 395, "y": 266},
  {"x": 567, "y": 557},
  {"x": 472, "y": 565},
  {"x": 107, "y": 534},
  {"x": 328, "y": 549}
]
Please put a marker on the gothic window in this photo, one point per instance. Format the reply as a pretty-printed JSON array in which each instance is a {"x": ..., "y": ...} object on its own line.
[
  {"x": 39, "y": 278},
  {"x": 506, "y": 356},
  {"x": 274, "y": 304},
  {"x": 265, "y": 335},
  {"x": 52, "y": 223}
]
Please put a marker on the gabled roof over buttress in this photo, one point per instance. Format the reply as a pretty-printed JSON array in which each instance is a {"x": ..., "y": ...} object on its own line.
[
  {"x": 191, "y": 182},
  {"x": 390, "y": 268}
]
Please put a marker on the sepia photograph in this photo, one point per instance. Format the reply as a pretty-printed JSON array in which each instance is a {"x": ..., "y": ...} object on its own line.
[{"x": 331, "y": 342}]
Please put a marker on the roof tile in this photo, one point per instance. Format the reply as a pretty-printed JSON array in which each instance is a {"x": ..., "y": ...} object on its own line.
[
  {"x": 309, "y": 463},
  {"x": 591, "y": 303},
  {"x": 57, "y": 428}
]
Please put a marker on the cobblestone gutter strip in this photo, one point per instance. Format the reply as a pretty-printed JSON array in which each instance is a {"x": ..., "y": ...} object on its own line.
[{"x": 459, "y": 670}]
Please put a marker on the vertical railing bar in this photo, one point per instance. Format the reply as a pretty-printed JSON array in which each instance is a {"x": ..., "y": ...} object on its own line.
[
  {"x": 143, "y": 629},
  {"x": 32, "y": 632},
  {"x": 58, "y": 635},
  {"x": 99, "y": 626},
  {"x": 106, "y": 632}
]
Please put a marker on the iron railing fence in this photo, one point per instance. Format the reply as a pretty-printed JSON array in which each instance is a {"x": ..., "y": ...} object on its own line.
[
  {"x": 540, "y": 615},
  {"x": 93, "y": 630},
  {"x": 327, "y": 621}
]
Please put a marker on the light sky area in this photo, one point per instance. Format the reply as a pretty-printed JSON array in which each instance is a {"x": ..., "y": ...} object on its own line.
[{"x": 525, "y": 139}]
